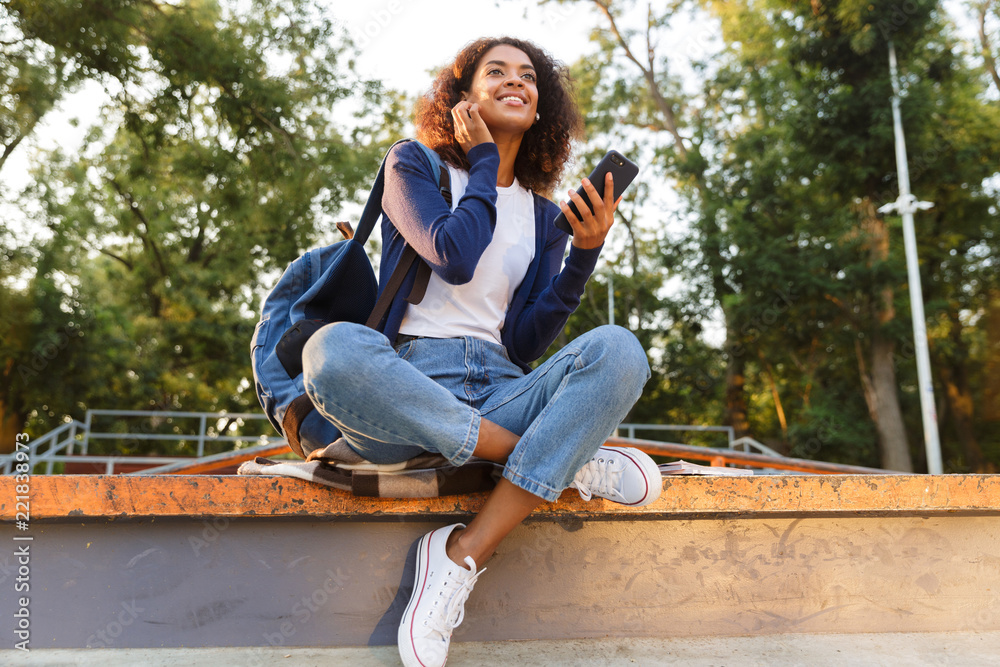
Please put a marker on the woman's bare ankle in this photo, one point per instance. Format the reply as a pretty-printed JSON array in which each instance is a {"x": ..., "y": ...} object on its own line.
[{"x": 457, "y": 549}]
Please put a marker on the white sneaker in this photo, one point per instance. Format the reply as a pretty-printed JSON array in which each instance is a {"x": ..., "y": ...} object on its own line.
[
  {"x": 622, "y": 474},
  {"x": 437, "y": 606}
]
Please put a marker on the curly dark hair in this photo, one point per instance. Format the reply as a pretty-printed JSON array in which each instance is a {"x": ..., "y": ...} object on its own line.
[{"x": 545, "y": 147}]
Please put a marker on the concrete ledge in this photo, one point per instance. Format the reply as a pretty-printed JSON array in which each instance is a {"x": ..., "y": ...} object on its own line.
[
  {"x": 209, "y": 561},
  {"x": 117, "y": 497}
]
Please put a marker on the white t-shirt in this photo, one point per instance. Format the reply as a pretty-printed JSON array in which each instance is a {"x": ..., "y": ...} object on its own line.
[{"x": 479, "y": 307}]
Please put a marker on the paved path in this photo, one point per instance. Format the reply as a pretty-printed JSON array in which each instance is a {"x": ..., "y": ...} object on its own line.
[{"x": 965, "y": 649}]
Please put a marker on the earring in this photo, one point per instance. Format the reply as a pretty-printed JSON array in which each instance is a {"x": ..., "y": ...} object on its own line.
[{"x": 537, "y": 117}]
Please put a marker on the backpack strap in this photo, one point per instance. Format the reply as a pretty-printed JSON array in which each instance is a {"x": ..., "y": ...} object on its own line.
[
  {"x": 409, "y": 254},
  {"x": 299, "y": 408},
  {"x": 423, "y": 276},
  {"x": 373, "y": 207},
  {"x": 295, "y": 414}
]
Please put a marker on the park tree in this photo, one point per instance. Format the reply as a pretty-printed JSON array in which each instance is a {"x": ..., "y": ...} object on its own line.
[
  {"x": 233, "y": 134},
  {"x": 831, "y": 106},
  {"x": 782, "y": 156},
  {"x": 987, "y": 16},
  {"x": 633, "y": 101},
  {"x": 32, "y": 79}
]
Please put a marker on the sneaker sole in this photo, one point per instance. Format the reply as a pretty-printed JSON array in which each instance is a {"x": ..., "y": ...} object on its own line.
[
  {"x": 649, "y": 472},
  {"x": 404, "y": 637}
]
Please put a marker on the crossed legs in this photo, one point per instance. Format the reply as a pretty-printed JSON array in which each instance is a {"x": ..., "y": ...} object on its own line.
[
  {"x": 543, "y": 427},
  {"x": 463, "y": 398},
  {"x": 506, "y": 507}
]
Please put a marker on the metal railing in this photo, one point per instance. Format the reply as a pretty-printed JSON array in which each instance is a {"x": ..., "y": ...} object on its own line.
[
  {"x": 764, "y": 463},
  {"x": 60, "y": 444},
  {"x": 58, "y": 439},
  {"x": 201, "y": 437},
  {"x": 630, "y": 429}
]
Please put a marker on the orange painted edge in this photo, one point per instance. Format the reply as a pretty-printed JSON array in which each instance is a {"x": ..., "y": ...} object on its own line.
[
  {"x": 721, "y": 457},
  {"x": 202, "y": 466},
  {"x": 72, "y": 497}
]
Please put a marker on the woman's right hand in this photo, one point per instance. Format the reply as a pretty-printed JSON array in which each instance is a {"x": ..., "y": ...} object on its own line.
[{"x": 470, "y": 128}]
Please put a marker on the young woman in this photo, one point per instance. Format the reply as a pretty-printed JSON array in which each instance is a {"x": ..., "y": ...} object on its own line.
[{"x": 450, "y": 374}]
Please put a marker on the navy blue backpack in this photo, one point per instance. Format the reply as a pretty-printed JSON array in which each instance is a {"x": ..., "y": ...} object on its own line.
[{"x": 335, "y": 283}]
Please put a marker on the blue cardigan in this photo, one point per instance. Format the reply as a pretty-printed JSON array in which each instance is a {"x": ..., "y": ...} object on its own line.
[{"x": 452, "y": 243}]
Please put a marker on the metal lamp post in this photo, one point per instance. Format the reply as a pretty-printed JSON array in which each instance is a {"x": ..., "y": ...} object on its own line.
[{"x": 906, "y": 205}]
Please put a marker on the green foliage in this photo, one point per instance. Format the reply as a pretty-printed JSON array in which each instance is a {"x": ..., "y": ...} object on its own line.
[
  {"x": 813, "y": 155},
  {"x": 781, "y": 159},
  {"x": 236, "y": 130},
  {"x": 235, "y": 133}
]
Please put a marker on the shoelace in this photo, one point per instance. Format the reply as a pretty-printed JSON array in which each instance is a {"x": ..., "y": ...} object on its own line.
[
  {"x": 455, "y": 612},
  {"x": 602, "y": 476}
]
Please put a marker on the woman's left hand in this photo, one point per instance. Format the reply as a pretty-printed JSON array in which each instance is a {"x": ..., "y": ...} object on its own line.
[{"x": 590, "y": 230}]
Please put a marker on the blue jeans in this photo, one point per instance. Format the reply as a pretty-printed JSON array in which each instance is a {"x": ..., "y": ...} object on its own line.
[{"x": 430, "y": 394}]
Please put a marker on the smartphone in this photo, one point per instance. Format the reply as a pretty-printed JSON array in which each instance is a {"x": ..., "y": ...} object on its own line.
[{"x": 623, "y": 171}]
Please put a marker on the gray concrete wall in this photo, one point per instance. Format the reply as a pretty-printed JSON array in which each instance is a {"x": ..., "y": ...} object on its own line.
[{"x": 172, "y": 583}]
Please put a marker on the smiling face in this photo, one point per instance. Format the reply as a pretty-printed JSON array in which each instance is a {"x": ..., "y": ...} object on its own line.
[{"x": 505, "y": 88}]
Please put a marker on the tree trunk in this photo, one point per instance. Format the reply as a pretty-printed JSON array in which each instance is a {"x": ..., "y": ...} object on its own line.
[
  {"x": 960, "y": 406},
  {"x": 778, "y": 407},
  {"x": 11, "y": 423},
  {"x": 988, "y": 62},
  {"x": 880, "y": 387},
  {"x": 954, "y": 374},
  {"x": 991, "y": 390},
  {"x": 736, "y": 406},
  {"x": 736, "y": 402},
  {"x": 894, "y": 448}
]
